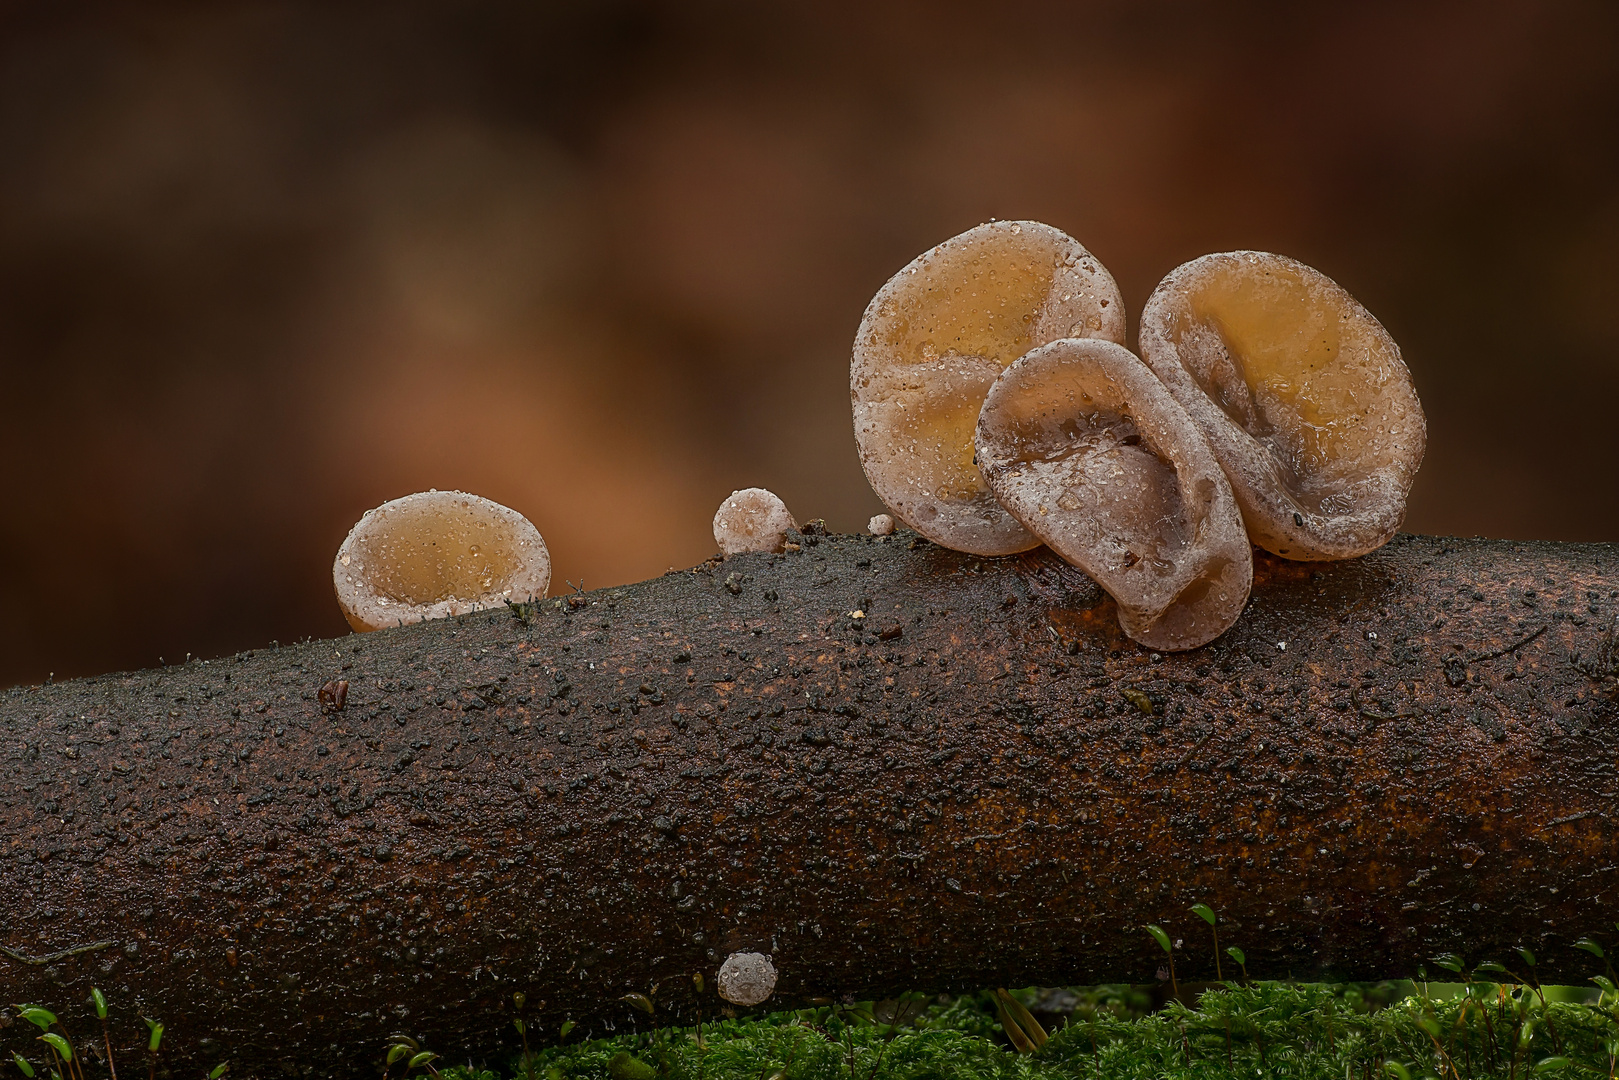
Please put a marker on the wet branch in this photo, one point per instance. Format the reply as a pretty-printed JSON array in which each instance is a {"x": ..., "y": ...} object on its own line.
[{"x": 891, "y": 766}]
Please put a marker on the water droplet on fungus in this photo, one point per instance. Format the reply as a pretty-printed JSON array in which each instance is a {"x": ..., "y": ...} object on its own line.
[
  {"x": 436, "y": 554},
  {"x": 752, "y": 519},
  {"x": 1301, "y": 393},
  {"x": 932, "y": 341},
  {"x": 1084, "y": 446},
  {"x": 747, "y": 978}
]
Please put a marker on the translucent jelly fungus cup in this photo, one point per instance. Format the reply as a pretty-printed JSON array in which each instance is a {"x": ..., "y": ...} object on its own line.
[
  {"x": 747, "y": 978},
  {"x": 933, "y": 340},
  {"x": 752, "y": 519},
  {"x": 1302, "y": 394},
  {"x": 436, "y": 554},
  {"x": 1084, "y": 446}
]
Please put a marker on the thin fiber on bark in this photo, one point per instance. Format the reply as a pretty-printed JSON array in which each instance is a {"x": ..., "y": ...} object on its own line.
[{"x": 888, "y": 765}]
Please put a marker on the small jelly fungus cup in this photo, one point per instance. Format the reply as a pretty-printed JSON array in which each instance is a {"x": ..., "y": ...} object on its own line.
[
  {"x": 752, "y": 520},
  {"x": 930, "y": 344},
  {"x": 747, "y": 978},
  {"x": 436, "y": 554},
  {"x": 1084, "y": 446},
  {"x": 1302, "y": 394}
]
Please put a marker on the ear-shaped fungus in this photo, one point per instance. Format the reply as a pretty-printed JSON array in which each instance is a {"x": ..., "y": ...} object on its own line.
[
  {"x": 1301, "y": 393},
  {"x": 435, "y": 554},
  {"x": 933, "y": 340},
  {"x": 1082, "y": 443},
  {"x": 753, "y": 519}
]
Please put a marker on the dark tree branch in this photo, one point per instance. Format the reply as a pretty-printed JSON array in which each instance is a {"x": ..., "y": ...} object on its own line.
[{"x": 889, "y": 765}]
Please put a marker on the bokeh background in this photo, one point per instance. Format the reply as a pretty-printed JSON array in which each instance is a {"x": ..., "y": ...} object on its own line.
[{"x": 264, "y": 266}]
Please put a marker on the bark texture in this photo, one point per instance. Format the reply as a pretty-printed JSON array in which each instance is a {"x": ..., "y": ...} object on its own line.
[{"x": 889, "y": 765}]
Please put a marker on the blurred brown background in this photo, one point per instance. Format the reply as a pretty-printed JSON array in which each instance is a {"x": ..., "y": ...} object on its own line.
[{"x": 263, "y": 266}]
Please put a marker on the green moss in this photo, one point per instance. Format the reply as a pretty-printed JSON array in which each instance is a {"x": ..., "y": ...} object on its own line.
[{"x": 1267, "y": 1030}]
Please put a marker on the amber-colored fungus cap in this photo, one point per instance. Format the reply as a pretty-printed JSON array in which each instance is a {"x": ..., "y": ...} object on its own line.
[
  {"x": 933, "y": 340},
  {"x": 1302, "y": 394},
  {"x": 435, "y": 554},
  {"x": 1082, "y": 443}
]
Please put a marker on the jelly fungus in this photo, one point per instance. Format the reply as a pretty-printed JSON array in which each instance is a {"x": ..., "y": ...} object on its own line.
[
  {"x": 1301, "y": 393},
  {"x": 747, "y": 978},
  {"x": 752, "y": 519},
  {"x": 933, "y": 340},
  {"x": 1085, "y": 447},
  {"x": 881, "y": 525},
  {"x": 435, "y": 554}
]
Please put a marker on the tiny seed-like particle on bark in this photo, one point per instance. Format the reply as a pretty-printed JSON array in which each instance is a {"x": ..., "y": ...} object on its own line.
[
  {"x": 1082, "y": 443},
  {"x": 333, "y": 695},
  {"x": 752, "y": 520},
  {"x": 932, "y": 341},
  {"x": 747, "y": 978},
  {"x": 1302, "y": 394},
  {"x": 436, "y": 554}
]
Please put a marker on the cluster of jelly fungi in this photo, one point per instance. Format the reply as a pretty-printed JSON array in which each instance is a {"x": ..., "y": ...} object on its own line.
[
  {"x": 436, "y": 554},
  {"x": 995, "y": 409}
]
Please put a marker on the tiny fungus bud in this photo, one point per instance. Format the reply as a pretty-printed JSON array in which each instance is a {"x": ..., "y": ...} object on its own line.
[
  {"x": 436, "y": 554},
  {"x": 881, "y": 525},
  {"x": 932, "y": 341},
  {"x": 752, "y": 519},
  {"x": 746, "y": 978},
  {"x": 1301, "y": 393},
  {"x": 1082, "y": 443}
]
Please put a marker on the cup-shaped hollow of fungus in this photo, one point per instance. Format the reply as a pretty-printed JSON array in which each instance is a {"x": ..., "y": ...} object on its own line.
[
  {"x": 1082, "y": 443},
  {"x": 752, "y": 519},
  {"x": 435, "y": 554},
  {"x": 932, "y": 341},
  {"x": 1301, "y": 393}
]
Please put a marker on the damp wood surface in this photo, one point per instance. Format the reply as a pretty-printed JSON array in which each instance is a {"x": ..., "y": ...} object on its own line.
[{"x": 888, "y": 765}]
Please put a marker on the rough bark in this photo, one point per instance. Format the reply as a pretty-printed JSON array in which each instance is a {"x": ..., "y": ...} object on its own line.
[{"x": 889, "y": 765}]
